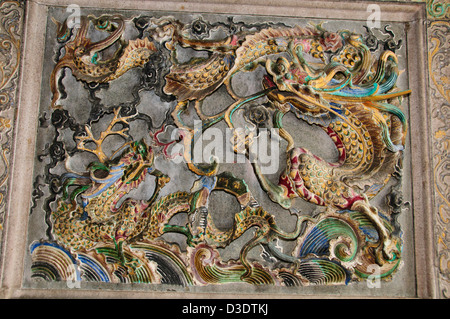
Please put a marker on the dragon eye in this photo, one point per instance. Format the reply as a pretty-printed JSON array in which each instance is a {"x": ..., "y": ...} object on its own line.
[
  {"x": 102, "y": 23},
  {"x": 100, "y": 173}
]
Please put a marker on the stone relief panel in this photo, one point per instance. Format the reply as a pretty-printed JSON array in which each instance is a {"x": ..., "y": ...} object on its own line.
[{"x": 201, "y": 150}]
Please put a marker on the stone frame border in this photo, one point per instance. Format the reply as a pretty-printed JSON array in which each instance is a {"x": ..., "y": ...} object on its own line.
[{"x": 25, "y": 126}]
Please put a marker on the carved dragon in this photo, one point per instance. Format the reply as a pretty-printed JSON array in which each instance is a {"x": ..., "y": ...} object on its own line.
[
  {"x": 346, "y": 96},
  {"x": 104, "y": 217},
  {"x": 84, "y": 57},
  {"x": 96, "y": 211}
]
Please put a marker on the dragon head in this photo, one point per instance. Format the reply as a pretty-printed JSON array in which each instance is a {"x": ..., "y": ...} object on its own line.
[
  {"x": 119, "y": 175},
  {"x": 136, "y": 159}
]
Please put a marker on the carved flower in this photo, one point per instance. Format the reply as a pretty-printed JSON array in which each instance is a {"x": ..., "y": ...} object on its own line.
[
  {"x": 151, "y": 76},
  {"x": 57, "y": 151},
  {"x": 60, "y": 118},
  {"x": 55, "y": 185},
  {"x": 395, "y": 200},
  {"x": 128, "y": 110},
  {"x": 331, "y": 41},
  {"x": 257, "y": 114},
  {"x": 199, "y": 27},
  {"x": 392, "y": 46},
  {"x": 372, "y": 42}
]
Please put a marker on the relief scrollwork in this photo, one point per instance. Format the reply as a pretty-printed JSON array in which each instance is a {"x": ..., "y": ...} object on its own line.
[
  {"x": 11, "y": 18},
  {"x": 10, "y": 36},
  {"x": 438, "y": 9},
  {"x": 440, "y": 115}
]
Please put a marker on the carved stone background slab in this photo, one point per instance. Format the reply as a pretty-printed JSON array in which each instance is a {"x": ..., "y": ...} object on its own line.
[{"x": 46, "y": 258}]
